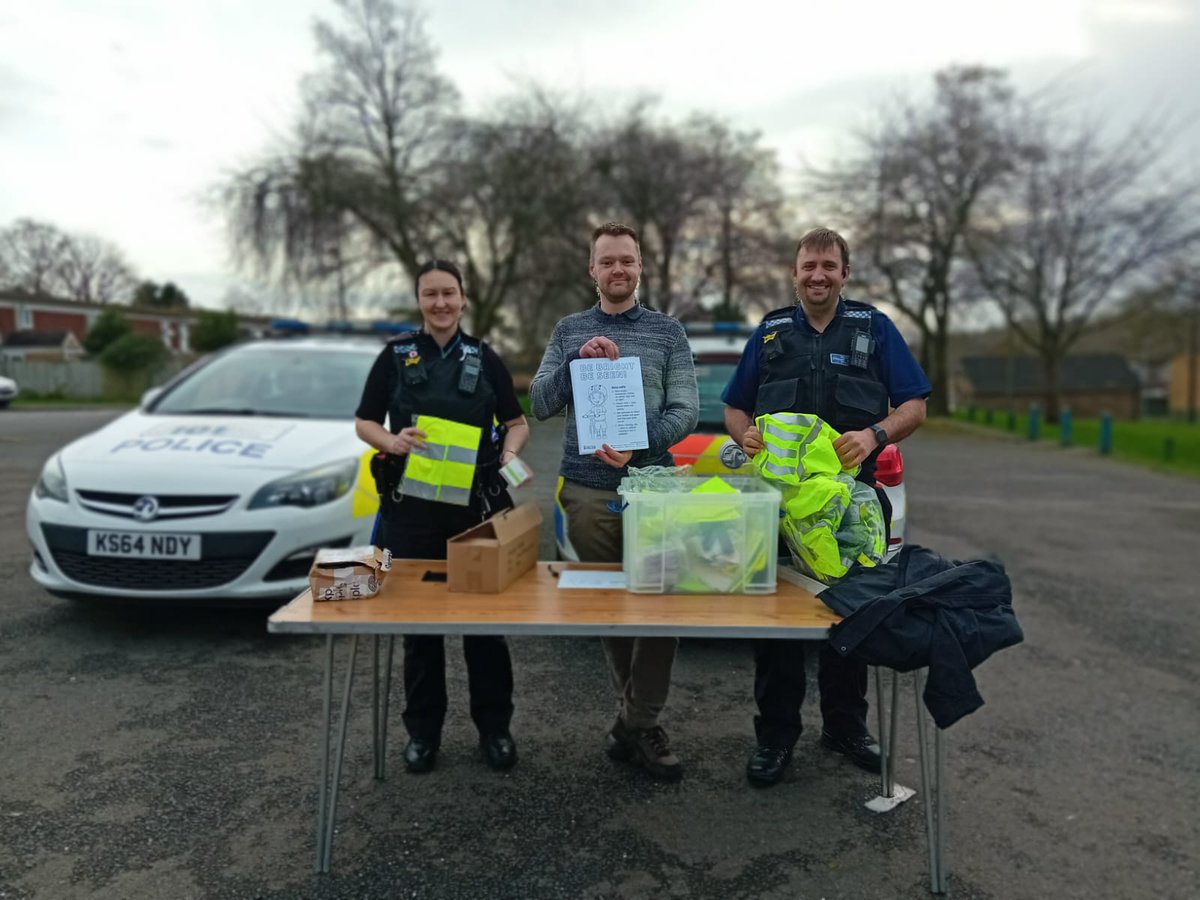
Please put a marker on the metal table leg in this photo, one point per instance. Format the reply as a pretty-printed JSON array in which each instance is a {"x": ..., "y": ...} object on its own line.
[
  {"x": 934, "y": 784},
  {"x": 327, "y": 787},
  {"x": 379, "y": 706},
  {"x": 891, "y": 794}
]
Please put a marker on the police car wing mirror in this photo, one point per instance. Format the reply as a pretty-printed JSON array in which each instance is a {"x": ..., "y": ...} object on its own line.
[{"x": 149, "y": 397}]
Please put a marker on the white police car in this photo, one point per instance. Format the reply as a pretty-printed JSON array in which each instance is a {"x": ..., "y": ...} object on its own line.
[{"x": 221, "y": 486}]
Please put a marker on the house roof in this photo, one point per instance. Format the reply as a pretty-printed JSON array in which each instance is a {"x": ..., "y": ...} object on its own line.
[
  {"x": 1023, "y": 374},
  {"x": 37, "y": 338}
]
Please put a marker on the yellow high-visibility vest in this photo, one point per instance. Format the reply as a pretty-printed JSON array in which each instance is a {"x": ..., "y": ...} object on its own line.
[
  {"x": 828, "y": 522},
  {"x": 444, "y": 469}
]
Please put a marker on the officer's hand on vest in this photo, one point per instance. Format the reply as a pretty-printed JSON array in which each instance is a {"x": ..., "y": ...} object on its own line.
[
  {"x": 598, "y": 347},
  {"x": 752, "y": 441},
  {"x": 854, "y": 446},
  {"x": 616, "y": 458},
  {"x": 408, "y": 438}
]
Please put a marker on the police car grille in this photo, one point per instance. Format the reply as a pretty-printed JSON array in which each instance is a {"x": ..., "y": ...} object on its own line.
[
  {"x": 170, "y": 506},
  {"x": 150, "y": 574}
]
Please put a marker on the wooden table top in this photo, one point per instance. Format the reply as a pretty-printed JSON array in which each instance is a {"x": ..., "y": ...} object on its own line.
[{"x": 535, "y": 604}]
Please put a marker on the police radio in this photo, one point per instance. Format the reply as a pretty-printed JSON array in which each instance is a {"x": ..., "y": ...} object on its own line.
[
  {"x": 468, "y": 379},
  {"x": 860, "y": 349}
]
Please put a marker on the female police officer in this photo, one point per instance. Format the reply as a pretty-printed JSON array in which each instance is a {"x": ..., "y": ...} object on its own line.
[{"x": 440, "y": 371}]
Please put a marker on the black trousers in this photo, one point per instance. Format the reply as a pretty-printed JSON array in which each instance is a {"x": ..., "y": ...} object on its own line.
[
  {"x": 417, "y": 529},
  {"x": 780, "y": 684}
]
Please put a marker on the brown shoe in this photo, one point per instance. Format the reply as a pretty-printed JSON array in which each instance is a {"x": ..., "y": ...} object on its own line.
[{"x": 652, "y": 751}]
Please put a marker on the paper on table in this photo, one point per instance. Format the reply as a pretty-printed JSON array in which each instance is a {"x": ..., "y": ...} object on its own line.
[
  {"x": 610, "y": 407},
  {"x": 587, "y": 578}
]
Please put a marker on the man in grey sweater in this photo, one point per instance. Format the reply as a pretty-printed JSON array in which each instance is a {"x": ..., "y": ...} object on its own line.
[{"x": 619, "y": 326}]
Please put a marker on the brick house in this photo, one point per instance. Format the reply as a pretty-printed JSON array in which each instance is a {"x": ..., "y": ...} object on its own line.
[
  {"x": 1089, "y": 384},
  {"x": 20, "y": 312}
]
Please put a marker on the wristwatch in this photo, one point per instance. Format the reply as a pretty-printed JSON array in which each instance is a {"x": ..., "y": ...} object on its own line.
[{"x": 881, "y": 437}]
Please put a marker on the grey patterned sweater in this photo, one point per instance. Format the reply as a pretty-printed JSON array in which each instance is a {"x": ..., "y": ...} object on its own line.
[{"x": 668, "y": 383}]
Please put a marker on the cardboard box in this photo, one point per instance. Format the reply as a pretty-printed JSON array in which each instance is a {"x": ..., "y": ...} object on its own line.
[
  {"x": 489, "y": 557},
  {"x": 348, "y": 573}
]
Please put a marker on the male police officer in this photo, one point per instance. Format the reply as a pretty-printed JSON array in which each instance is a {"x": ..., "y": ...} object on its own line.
[{"x": 846, "y": 362}]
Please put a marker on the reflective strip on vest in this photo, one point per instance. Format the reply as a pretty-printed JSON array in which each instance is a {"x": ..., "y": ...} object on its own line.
[{"x": 444, "y": 469}]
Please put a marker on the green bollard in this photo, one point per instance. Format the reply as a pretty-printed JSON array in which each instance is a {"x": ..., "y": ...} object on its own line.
[
  {"x": 1034, "y": 422},
  {"x": 1064, "y": 428},
  {"x": 987, "y": 416},
  {"x": 971, "y": 413},
  {"x": 1012, "y": 421},
  {"x": 1106, "y": 434},
  {"x": 1168, "y": 448}
]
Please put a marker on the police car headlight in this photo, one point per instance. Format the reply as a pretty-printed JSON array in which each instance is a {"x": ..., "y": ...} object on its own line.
[
  {"x": 52, "y": 482},
  {"x": 311, "y": 488}
]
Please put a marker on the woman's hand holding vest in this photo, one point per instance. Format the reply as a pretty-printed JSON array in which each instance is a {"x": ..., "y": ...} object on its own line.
[{"x": 408, "y": 438}]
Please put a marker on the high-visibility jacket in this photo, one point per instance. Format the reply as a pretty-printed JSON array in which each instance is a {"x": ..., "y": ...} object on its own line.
[
  {"x": 828, "y": 520},
  {"x": 454, "y": 404}
]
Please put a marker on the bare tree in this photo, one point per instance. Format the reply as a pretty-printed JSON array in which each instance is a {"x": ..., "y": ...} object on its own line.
[
  {"x": 512, "y": 203},
  {"x": 92, "y": 270},
  {"x": 909, "y": 195},
  {"x": 740, "y": 242},
  {"x": 1089, "y": 218},
  {"x": 356, "y": 175},
  {"x": 40, "y": 258},
  {"x": 32, "y": 253},
  {"x": 659, "y": 178}
]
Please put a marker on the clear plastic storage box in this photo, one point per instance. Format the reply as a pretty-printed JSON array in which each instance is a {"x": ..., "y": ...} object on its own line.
[{"x": 700, "y": 534}]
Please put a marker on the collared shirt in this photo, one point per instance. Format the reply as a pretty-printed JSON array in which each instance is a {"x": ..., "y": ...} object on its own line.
[{"x": 632, "y": 314}]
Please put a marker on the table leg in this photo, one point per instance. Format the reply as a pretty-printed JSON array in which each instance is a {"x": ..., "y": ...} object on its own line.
[
  {"x": 887, "y": 732},
  {"x": 933, "y": 781},
  {"x": 329, "y": 781},
  {"x": 891, "y": 794},
  {"x": 326, "y": 727},
  {"x": 379, "y": 706}
]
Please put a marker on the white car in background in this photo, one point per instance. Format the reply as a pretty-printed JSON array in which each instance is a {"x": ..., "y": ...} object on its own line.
[
  {"x": 221, "y": 486},
  {"x": 8, "y": 391}
]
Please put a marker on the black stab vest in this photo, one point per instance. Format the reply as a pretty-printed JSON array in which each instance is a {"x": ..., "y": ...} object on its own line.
[
  {"x": 454, "y": 388},
  {"x": 806, "y": 372}
]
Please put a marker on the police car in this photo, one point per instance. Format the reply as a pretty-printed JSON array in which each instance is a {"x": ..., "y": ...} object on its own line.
[
  {"x": 221, "y": 486},
  {"x": 716, "y": 350}
]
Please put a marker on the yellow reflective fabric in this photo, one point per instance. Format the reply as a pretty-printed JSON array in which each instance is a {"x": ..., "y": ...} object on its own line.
[
  {"x": 817, "y": 495},
  {"x": 366, "y": 499},
  {"x": 445, "y": 469}
]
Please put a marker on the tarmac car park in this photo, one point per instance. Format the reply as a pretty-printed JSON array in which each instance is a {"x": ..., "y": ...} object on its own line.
[{"x": 219, "y": 486}]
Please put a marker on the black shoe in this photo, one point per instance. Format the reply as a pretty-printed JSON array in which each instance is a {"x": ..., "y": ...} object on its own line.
[
  {"x": 620, "y": 742},
  {"x": 767, "y": 765},
  {"x": 420, "y": 755},
  {"x": 499, "y": 749},
  {"x": 861, "y": 749}
]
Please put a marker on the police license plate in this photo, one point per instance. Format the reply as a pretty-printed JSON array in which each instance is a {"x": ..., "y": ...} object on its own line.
[{"x": 140, "y": 545}]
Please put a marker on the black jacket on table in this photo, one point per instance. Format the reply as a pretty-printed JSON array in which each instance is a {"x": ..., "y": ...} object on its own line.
[{"x": 923, "y": 610}]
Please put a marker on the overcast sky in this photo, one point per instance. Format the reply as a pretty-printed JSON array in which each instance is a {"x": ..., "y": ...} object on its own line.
[{"x": 115, "y": 115}]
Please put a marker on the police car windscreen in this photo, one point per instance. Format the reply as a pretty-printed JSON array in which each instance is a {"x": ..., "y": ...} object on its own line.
[{"x": 252, "y": 382}]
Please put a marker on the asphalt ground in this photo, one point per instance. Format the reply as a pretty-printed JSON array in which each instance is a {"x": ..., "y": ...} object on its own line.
[{"x": 172, "y": 754}]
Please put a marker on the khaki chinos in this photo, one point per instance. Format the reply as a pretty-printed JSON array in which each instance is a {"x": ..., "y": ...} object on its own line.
[{"x": 639, "y": 667}]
